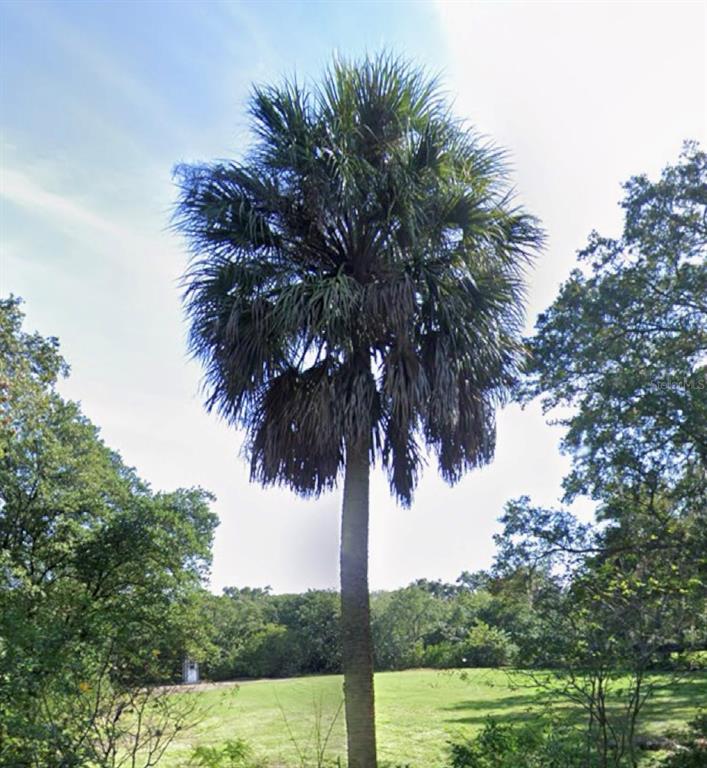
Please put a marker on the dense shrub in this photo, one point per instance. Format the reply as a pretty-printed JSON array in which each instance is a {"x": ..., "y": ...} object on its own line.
[
  {"x": 487, "y": 646},
  {"x": 444, "y": 655},
  {"x": 538, "y": 745}
]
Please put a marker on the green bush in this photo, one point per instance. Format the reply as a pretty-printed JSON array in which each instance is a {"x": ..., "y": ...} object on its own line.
[
  {"x": 443, "y": 655},
  {"x": 234, "y": 753},
  {"x": 487, "y": 646},
  {"x": 539, "y": 745},
  {"x": 483, "y": 646}
]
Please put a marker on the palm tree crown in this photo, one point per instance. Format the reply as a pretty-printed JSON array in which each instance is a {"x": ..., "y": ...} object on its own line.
[{"x": 356, "y": 279}]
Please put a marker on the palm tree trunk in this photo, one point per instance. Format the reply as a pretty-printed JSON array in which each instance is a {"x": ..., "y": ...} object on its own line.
[{"x": 357, "y": 645}]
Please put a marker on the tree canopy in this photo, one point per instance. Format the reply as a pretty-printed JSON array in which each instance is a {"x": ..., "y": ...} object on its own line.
[
  {"x": 98, "y": 573},
  {"x": 358, "y": 276},
  {"x": 622, "y": 349},
  {"x": 624, "y": 346}
]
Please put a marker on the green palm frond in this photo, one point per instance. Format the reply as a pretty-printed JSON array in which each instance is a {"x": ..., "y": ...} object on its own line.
[{"x": 357, "y": 279}]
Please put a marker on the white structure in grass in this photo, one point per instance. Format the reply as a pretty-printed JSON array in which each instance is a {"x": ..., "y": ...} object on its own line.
[{"x": 190, "y": 671}]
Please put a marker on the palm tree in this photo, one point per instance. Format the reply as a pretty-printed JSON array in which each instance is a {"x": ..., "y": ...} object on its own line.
[{"x": 355, "y": 296}]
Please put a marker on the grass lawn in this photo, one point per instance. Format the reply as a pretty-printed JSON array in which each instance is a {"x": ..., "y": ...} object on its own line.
[{"x": 417, "y": 712}]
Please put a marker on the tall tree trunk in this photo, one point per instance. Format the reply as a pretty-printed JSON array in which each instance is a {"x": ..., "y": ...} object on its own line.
[{"x": 357, "y": 645}]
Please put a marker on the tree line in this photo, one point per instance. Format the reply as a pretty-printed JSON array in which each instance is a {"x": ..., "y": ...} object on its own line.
[
  {"x": 253, "y": 633},
  {"x": 532, "y": 609}
]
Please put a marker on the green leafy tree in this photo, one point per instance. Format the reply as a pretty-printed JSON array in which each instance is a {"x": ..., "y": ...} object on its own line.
[
  {"x": 613, "y": 607},
  {"x": 622, "y": 349},
  {"x": 403, "y": 622},
  {"x": 356, "y": 293},
  {"x": 487, "y": 646},
  {"x": 97, "y": 573},
  {"x": 254, "y": 633},
  {"x": 271, "y": 651},
  {"x": 231, "y": 621},
  {"x": 624, "y": 346},
  {"x": 314, "y": 622}
]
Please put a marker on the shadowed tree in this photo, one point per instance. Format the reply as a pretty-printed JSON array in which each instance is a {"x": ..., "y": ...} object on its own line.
[{"x": 355, "y": 296}]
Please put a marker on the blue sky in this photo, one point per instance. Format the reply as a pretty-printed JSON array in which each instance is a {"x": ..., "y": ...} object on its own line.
[{"x": 99, "y": 100}]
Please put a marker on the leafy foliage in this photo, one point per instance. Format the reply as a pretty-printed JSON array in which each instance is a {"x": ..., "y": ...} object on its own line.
[
  {"x": 253, "y": 633},
  {"x": 533, "y": 745},
  {"x": 98, "y": 574},
  {"x": 487, "y": 646},
  {"x": 234, "y": 753},
  {"x": 691, "y": 749},
  {"x": 404, "y": 621},
  {"x": 624, "y": 344},
  {"x": 256, "y": 634}
]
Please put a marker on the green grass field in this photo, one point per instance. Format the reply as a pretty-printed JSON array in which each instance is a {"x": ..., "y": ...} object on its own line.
[{"x": 417, "y": 712}]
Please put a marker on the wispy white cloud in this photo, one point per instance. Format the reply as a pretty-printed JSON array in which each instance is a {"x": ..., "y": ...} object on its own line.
[
  {"x": 69, "y": 214},
  {"x": 113, "y": 234}
]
